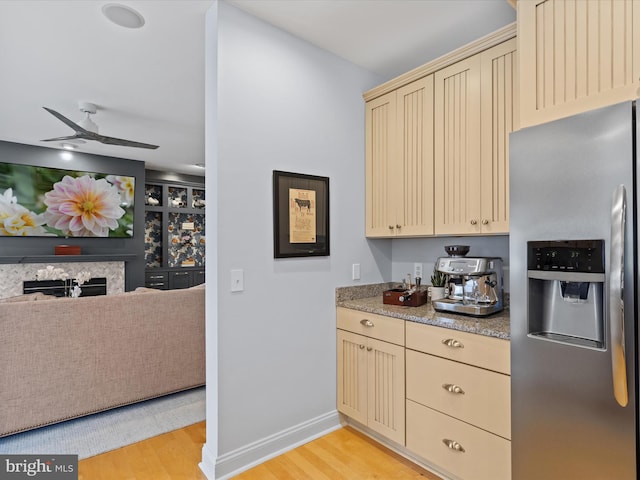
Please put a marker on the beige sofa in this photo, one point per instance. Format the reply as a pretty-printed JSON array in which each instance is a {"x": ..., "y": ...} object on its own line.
[{"x": 65, "y": 358}]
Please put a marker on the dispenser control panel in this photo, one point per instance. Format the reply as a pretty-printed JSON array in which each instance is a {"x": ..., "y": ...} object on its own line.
[{"x": 566, "y": 255}]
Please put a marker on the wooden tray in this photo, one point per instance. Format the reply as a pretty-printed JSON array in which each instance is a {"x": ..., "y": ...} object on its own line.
[{"x": 392, "y": 297}]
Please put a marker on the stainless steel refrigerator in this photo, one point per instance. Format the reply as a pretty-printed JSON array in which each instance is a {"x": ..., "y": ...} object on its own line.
[{"x": 573, "y": 276}]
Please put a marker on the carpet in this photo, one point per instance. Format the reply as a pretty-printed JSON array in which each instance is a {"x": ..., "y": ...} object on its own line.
[{"x": 101, "y": 432}]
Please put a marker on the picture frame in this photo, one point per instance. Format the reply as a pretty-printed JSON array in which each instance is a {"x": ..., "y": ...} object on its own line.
[{"x": 300, "y": 215}]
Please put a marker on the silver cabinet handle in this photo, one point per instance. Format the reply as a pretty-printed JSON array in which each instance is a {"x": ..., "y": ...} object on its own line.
[
  {"x": 180, "y": 273},
  {"x": 453, "y": 445},
  {"x": 474, "y": 222},
  {"x": 390, "y": 227},
  {"x": 485, "y": 222},
  {"x": 450, "y": 342},
  {"x": 366, "y": 323},
  {"x": 616, "y": 296},
  {"x": 369, "y": 349},
  {"x": 453, "y": 388},
  {"x": 398, "y": 226},
  {"x": 361, "y": 347}
]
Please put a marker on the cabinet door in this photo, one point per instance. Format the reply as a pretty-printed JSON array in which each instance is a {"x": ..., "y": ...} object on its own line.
[
  {"x": 576, "y": 56},
  {"x": 457, "y": 148},
  {"x": 385, "y": 385},
  {"x": 179, "y": 280},
  {"x": 498, "y": 116},
  {"x": 352, "y": 375},
  {"x": 414, "y": 171},
  {"x": 381, "y": 141},
  {"x": 198, "y": 277}
]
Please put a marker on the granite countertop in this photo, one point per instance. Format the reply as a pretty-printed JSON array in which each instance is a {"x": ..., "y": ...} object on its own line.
[{"x": 368, "y": 298}]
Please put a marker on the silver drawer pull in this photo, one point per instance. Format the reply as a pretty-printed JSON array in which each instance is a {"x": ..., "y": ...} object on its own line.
[
  {"x": 450, "y": 387},
  {"x": 366, "y": 323},
  {"x": 453, "y": 445},
  {"x": 361, "y": 347},
  {"x": 369, "y": 349},
  {"x": 450, "y": 342},
  {"x": 156, "y": 276}
]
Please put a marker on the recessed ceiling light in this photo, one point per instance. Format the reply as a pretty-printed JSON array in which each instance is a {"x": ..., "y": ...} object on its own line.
[
  {"x": 122, "y": 15},
  {"x": 66, "y": 155}
]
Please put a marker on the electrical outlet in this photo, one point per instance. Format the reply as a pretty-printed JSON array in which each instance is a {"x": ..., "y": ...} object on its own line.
[
  {"x": 355, "y": 271},
  {"x": 417, "y": 270}
]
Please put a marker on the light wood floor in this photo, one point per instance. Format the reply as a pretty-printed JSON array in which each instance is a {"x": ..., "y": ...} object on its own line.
[{"x": 341, "y": 455}]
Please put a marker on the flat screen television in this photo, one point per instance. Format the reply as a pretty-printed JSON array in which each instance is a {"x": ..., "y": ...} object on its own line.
[{"x": 51, "y": 202}]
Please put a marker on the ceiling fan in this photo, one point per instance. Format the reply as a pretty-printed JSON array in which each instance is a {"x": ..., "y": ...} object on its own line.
[{"x": 86, "y": 129}]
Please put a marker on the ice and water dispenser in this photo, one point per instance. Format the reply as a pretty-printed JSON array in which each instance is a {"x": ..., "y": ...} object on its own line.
[{"x": 566, "y": 284}]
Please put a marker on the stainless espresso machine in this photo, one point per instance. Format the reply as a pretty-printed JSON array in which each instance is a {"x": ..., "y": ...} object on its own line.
[{"x": 475, "y": 286}]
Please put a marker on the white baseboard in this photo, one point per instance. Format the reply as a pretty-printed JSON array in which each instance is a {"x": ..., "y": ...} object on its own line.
[
  {"x": 244, "y": 458},
  {"x": 208, "y": 463}
]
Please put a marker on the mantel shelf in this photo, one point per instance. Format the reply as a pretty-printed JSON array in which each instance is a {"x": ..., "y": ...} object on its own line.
[{"x": 67, "y": 258}]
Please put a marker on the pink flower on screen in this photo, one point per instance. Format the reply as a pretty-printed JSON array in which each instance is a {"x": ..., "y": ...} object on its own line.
[
  {"x": 83, "y": 207},
  {"x": 126, "y": 187}
]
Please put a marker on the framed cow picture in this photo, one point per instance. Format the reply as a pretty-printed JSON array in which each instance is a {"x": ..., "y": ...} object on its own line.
[{"x": 300, "y": 215}]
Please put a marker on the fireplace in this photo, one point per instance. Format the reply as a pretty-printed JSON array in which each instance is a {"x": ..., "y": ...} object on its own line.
[
  {"x": 63, "y": 288},
  {"x": 106, "y": 276}
]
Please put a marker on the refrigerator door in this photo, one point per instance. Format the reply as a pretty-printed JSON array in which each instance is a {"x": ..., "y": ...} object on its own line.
[{"x": 567, "y": 415}]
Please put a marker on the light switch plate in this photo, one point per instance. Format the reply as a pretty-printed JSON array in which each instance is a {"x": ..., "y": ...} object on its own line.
[
  {"x": 237, "y": 280},
  {"x": 355, "y": 271}
]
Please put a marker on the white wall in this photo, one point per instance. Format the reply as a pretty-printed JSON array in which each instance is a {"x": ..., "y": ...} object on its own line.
[{"x": 280, "y": 104}]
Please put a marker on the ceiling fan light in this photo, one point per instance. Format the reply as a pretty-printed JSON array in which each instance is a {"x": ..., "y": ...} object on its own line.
[{"x": 122, "y": 15}]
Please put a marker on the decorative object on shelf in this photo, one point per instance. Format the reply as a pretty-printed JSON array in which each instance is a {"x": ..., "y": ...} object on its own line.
[
  {"x": 154, "y": 202},
  {"x": 198, "y": 203},
  {"x": 300, "y": 215},
  {"x": 67, "y": 250},
  {"x": 189, "y": 262},
  {"x": 51, "y": 273}
]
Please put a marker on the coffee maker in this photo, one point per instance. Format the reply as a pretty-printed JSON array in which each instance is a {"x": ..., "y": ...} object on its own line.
[{"x": 474, "y": 287}]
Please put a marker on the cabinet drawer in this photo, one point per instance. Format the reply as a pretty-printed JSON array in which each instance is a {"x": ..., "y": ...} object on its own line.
[
  {"x": 481, "y": 455},
  {"x": 479, "y": 350},
  {"x": 157, "y": 280},
  {"x": 471, "y": 394},
  {"x": 384, "y": 328}
]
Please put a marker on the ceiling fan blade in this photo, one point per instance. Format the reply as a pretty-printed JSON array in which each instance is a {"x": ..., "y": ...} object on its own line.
[
  {"x": 65, "y": 120},
  {"x": 57, "y": 139},
  {"x": 122, "y": 142},
  {"x": 88, "y": 135}
]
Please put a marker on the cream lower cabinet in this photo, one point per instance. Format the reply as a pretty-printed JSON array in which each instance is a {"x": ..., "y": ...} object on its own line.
[
  {"x": 399, "y": 162},
  {"x": 474, "y": 114},
  {"x": 458, "y": 402},
  {"x": 371, "y": 372},
  {"x": 576, "y": 55}
]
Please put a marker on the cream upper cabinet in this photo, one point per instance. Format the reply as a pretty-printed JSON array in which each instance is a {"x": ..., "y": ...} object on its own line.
[
  {"x": 474, "y": 114},
  {"x": 457, "y": 148},
  {"x": 576, "y": 55},
  {"x": 499, "y": 116},
  {"x": 399, "y": 156}
]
